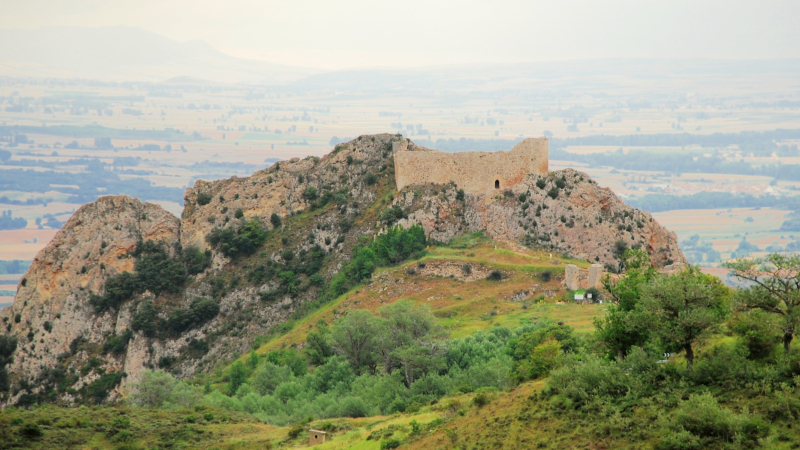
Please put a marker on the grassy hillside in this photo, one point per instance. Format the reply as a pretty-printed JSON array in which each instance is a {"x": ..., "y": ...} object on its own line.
[
  {"x": 561, "y": 387},
  {"x": 463, "y": 303}
]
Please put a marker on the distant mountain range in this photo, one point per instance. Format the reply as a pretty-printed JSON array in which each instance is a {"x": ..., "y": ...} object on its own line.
[
  {"x": 128, "y": 54},
  {"x": 117, "y": 53}
]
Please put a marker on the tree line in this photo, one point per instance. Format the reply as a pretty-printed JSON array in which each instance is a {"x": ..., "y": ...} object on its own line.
[{"x": 655, "y": 352}]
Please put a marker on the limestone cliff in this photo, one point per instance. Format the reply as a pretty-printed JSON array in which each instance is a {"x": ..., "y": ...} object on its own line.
[
  {"x": 51, "y": 309},
  {"x": 564, "y": 211},
  {"x": 323, "y": 207}
]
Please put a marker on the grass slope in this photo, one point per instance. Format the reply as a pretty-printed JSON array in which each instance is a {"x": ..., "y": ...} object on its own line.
[{"x": 463, "y": 307}]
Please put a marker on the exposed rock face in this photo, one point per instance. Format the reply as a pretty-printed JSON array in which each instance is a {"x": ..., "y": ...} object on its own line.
[
  {"x": 564, "y": 211},
  {"x": 95, "y": 244},
  {"x": 282, "y": 191},
  {"x": 92, "y": 245},
  {"x": 325, "y": 205}
]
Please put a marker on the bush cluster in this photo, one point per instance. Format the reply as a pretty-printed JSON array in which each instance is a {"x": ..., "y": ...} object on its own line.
[
  {"x": 244, "y": 241},
  {"x": 200, "y": 311},
  {"x": 281, "y": 389},
  {"x": 392, "y": 247},
  {"x": 155, "y": 271}
]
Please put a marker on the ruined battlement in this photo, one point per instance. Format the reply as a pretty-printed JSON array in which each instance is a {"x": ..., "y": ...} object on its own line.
[{"x": 474, "y": 172}]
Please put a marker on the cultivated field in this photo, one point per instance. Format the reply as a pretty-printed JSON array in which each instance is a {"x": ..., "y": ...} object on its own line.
[{"x": 63, "y": 143}]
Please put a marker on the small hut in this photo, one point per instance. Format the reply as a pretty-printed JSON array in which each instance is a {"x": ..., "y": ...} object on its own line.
[{"x": 315, "y": 437}]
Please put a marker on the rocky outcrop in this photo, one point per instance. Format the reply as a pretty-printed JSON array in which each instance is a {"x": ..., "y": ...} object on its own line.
[
  {"x": 287, "y": 188},
  {"x": 325, "y": 205},
  {"x": 563, "y": 211},
  {"x": 51, "y": 308}
]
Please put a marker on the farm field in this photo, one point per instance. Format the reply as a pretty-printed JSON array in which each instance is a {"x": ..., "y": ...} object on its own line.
[
  {"x": 23, "y": 244},
  {"x": 726, "y": 228},
  {"x": 63, "y": 143}
]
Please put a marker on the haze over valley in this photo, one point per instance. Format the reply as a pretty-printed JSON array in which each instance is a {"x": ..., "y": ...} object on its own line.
[{"x": 425, "y": 225}]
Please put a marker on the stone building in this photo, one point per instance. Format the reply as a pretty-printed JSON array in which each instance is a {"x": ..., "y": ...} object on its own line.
[
  {"x": 316, "y": 437},
  {"x": 485, "y": 173},
  {"x": 576, "y": 278}
]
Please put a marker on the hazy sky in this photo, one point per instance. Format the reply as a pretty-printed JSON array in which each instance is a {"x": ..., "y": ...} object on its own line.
[{"x": 337, "y": 34}]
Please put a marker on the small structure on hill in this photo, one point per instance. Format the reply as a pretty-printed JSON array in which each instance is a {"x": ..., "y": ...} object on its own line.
[
  {"x": 475, "y": 172},
  {"x": 576, "y": 278},
  {"x": 316, "y": 437}
]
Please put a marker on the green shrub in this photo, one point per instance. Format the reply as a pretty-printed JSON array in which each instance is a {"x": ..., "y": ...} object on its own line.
[
  {"x": 117, "y": 344},
  {"x": 119, "y": 288},
  {"x": 726, "y": 365},
  {"x": 144, "y": 319},
  {"x": 122, "y": 436},
  {"x": 30, "y": 431},
  {"x": 495, "y": 275},
  {"x": 758, "y": 332},
  {"x": 579, "y": 383},
  {"x": 275, "y": 220},
  {"x": 8, "y": 344},
  {"x": 710, "y": 423},
  {"x": 353, "y": 407},
  {"x": 232, "y": 243},
  {"x": 201, "y": 310},
  {"x": 203, "y": 198},
  {"x": 541, "y": 183},
  {"x": 544, "y": 358},
  {"x": 156, "y": 271},
  {"x": 596, "y": 294},
  {"x": 392, "y": 247},
  {"x": 480, "y": 400},
  {"x": 195, "y": 260},
  {"x": 178, "y": 320},
  {"x": 619, "y": 247},
  {"x": 680, "y": 440},
  {"x": 99, "y": 389},
  {"x": 392, "y": 215},
  {"x": 310, "y": 194},
  {"x": 298, "y": 428},
  {"x": 390, "y": 444},
  {"x": 398, "y": 244}
]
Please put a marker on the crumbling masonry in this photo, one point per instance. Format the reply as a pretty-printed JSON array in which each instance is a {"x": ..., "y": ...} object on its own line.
[{"x": 478, "y": 173}]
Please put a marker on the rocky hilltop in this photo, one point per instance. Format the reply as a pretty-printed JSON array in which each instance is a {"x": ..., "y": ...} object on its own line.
[{"x": 126, "y": 286}]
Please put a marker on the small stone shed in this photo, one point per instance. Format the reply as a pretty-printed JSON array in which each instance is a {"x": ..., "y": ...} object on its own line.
[{"x": 316, "y": 437}]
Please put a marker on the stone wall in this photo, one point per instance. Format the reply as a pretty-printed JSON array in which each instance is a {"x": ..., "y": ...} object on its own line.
[
  {"x": 576, "y": 278},
  {"x": 475, "y": 172}
]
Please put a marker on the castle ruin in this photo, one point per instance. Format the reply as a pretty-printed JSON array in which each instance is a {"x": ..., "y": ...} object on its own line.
[{"x": 484, "y": 173}]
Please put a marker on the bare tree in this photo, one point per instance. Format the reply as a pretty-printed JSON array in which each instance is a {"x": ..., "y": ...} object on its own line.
[{"x": 775, "y": 289}]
